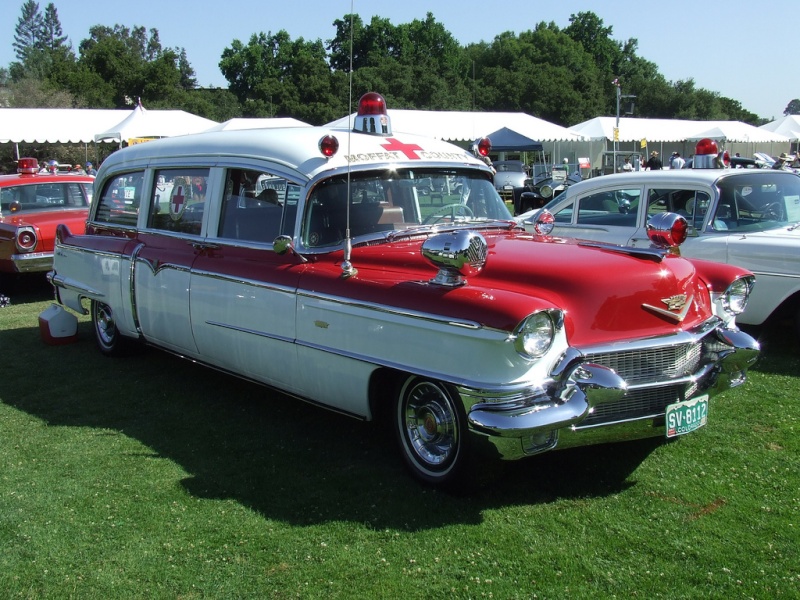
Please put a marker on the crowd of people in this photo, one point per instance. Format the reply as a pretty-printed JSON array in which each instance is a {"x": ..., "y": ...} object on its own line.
[{"x": 53, "y": 167}]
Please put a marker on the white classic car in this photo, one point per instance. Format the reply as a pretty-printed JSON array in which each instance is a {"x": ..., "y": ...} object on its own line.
[
  {"x": 744, "y": 217},
  {"x": 308, "y": 260}
]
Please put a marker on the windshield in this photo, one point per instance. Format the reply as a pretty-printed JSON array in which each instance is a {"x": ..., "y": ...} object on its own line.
[
  {"x": 757, "y": 202},
  {"x": 392, "y": 201}
]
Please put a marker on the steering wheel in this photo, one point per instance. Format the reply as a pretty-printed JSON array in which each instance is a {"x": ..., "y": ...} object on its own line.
[
  {"x": 450, "y": 211},
  {"x": 773, "y": 211}
]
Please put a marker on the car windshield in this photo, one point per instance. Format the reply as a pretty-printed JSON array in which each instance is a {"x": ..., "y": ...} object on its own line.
[
  {"x": 398, "y": 200},
  {"x": 757, "y": 202}
]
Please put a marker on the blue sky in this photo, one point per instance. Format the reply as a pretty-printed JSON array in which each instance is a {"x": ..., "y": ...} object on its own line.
[{"x": 745, "y": 51}]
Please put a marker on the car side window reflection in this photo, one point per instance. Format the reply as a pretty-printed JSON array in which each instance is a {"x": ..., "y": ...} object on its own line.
[
  {"x": 615, "y": 208},
  {"x": 179, "y": 200},
  {"x": 120, "y": 199}
]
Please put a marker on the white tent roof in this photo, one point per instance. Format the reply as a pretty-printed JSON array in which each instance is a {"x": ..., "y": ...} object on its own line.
[
  {"x": 461, "y": 126},
  {"x": 142, "y": 123},
  {"x": 252, "y": 123},
  {"x": 55, "y": 125},
  {"x": 673, "y": 130},
  {"x": 788, "y": 126}
]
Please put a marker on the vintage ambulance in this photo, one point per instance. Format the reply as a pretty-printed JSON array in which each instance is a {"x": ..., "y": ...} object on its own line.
[{"x": 379, "y": 274}]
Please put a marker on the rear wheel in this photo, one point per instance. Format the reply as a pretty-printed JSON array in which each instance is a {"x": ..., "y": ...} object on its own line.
[
  {"x": 430, "y": 425},
  {"x": 106, "y": 334}
]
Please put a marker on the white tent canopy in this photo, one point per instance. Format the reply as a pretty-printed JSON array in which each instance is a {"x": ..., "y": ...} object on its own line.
[
  {"x": 254, "y": 123},
  {"x": 788, "y": 126},
  {"x": 674, "y": 130},
  {"x": 142, "y": 123},
  {"x": 55, "y": 125},
  {"x": 458, "y": 126}
]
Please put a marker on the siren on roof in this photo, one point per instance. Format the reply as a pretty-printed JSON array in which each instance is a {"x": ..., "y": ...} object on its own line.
[
  {"x": 372, "y": 116},
  {"x": 708, "y": 156}
]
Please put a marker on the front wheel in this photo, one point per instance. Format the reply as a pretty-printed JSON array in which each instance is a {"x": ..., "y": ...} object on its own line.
[
  {"x": 431, "y": 430},
  {"x": 108, "y": 338}
]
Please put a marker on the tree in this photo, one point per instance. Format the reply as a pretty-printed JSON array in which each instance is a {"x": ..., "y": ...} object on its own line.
[
  {"x": 793, "y": 108},
  {"x": 126, "y": 64},
  {"x": 29, "y": 30},
  {"x": 52, "y": 37}
]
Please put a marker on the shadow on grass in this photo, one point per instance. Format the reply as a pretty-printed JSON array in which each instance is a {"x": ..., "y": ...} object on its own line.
[
  {"x": 283, "y": 458},
  {"x": 25, "y": 288}
]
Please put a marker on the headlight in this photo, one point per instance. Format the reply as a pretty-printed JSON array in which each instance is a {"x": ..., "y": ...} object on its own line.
[
  {"x": 734, "y": 300},
  {"x": 535, "y": 334},
  {"x": 546, "y": 191}
]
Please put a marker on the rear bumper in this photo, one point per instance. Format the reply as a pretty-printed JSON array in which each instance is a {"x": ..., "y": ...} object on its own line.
[
  {"x": 32, "y": 262},
  {"x": 589, "y": 403}
]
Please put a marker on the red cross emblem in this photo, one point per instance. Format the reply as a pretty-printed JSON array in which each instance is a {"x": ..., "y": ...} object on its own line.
[
  {"x": 408, "y": 149},
  {"x": 177, "y": 203}
]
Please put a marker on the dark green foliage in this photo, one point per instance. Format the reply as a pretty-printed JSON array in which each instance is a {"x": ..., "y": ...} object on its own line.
[{"x": 562, "y": 75}]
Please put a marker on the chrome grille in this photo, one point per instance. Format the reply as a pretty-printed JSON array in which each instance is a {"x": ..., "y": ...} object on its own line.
[
  {"x": 636, "y": 404},
  {"x": 651, "y": 365}
]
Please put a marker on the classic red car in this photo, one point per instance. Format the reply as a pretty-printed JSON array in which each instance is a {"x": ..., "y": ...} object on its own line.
[
  {"x": 32, "y": 204},
  {"x": 308, "y": 260}
]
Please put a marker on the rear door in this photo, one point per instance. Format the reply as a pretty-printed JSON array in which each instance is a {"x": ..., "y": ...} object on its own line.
[
  {"x": 243, "y": 295},
  {"x": 168, "y": 244}
]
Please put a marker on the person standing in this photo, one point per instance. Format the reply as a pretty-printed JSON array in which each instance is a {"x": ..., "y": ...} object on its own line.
[
  {"x": 627, "y": 167},
  {"x": 654, "y": 163},
  {"x": 677, "y": 161}
]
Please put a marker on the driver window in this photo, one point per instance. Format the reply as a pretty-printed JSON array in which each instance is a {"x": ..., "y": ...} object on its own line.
[{"x": 253, "y": 206}]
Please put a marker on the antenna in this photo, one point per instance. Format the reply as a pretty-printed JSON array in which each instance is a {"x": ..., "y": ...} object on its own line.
[{"x": 348, "y": 270}]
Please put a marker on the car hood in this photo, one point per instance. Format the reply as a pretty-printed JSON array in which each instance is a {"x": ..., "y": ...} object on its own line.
[{"x": 606, "y": 295}]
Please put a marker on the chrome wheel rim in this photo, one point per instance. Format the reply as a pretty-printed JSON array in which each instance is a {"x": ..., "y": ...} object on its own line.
[
  {"x": 104, "y": 324},
  {"x": 430, "y": 425}
]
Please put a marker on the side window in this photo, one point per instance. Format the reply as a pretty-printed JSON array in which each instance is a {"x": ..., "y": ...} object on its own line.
[
  {"x": 691, "y": 204},
  {"x": 611, "y": 208},
  {"x": 253, "y": 206},
  {"x": 119, "y": 200},
  {"x": 565, "y": 214},
  {"x": 76, "y": 195},
  {"x": 179, "y": 200}
]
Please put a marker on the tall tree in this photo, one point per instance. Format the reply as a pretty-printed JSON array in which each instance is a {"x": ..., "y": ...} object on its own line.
[
  {"x": 52, "y": 37},
  {"x": 29, "y": 30}
]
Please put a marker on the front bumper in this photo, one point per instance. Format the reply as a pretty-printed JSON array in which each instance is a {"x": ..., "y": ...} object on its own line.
[{"x": 613, "y": 393}]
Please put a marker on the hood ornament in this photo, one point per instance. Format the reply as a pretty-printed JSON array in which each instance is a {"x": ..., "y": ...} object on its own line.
[{"x": 679, "y": 302}]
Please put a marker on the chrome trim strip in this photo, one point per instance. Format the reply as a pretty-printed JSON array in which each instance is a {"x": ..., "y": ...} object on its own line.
[
  {"x": 132, "y": 289},
  {"x": 262, "y": 285},
  {"x": 156, "y": 267},
  {"x": 395, "y": 311},
  {"x": 263, "y": 334},
  {"x": 71, "y": 284},
  {"x": 680, "y": 337}
]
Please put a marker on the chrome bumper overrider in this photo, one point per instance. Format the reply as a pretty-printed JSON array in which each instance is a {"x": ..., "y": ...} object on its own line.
[{"x": 588, "y": 402}]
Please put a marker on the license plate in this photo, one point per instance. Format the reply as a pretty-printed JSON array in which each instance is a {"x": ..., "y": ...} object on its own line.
[
  {"x": 685, "y": 417},
  {"x": 508, "y": 187}
]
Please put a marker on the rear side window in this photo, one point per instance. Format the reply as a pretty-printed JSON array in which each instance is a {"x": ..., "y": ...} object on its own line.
[
  {"x": 179, "y": 200},
  {"x": 42, "y": 197},
  {"x": 120, "y": 200}
]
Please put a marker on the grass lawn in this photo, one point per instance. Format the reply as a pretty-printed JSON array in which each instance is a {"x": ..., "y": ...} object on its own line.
[{"x": 152, "y": 477}]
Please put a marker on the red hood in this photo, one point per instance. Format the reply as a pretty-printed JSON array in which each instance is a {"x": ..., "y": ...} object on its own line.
[{"x": 602, "y": 292}]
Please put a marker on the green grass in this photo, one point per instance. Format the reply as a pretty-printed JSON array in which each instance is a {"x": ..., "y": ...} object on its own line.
[{"x": 152, "y": 477}]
